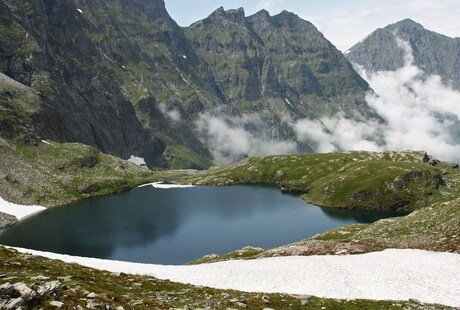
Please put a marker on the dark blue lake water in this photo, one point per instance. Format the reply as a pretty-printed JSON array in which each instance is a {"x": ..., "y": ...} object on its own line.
[{"x": 175, "y": 226}]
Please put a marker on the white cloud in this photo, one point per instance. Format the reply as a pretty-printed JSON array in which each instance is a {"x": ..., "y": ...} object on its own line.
[
  {"x": 420, "y": 113},
  {"x": 269, "y": 4},
  {"x": 336, "y": 134},
  {"x": 229, "y": 139},
  {"x": 170, "y": 112}
]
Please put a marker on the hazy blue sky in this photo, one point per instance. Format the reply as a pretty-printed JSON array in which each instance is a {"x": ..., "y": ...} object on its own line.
[{"x": 344, "y": 22}]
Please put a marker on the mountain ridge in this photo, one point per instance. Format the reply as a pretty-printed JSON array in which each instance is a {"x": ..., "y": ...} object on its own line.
[
  {"x": 434, "y": 53},
  {"x": 125, "y": 78}
]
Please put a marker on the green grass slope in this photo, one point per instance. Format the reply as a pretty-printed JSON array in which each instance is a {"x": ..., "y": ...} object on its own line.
[
  {"x": 52, "y": 174},
  {"x": 386, "y": 181}
]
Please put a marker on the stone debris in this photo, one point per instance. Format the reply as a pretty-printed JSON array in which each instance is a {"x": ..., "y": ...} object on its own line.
[
  {"x": 91, "y": 295},
  {"x": 265, "y": 299},
  {"x": 26, "y": 293},
  {"x": 6, "y": 289},
  {"x": 39, "y": 278},
  {"x": 14, "y": 303},
  {"x": 15, "y": 296},
  {"x": 56, "y": 304},
  {"x": 91, "y": 304},
  {"x": 49, "y": 288}
]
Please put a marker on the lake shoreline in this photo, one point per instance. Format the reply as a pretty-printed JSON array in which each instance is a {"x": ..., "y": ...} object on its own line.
[
  {"x": 11, "y": 213},
  {"x": 176, "y": 225}
]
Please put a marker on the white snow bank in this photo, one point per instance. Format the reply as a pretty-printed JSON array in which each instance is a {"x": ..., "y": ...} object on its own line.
[
  {"x": 137, "y": 160},
  {"x": 18, "y": 210},
  {"x": 80, "y": 11},
  {"x": 166, "y": 186},
  {"x": 430, "y": 277},
  {"x": 288, "y": 102}
]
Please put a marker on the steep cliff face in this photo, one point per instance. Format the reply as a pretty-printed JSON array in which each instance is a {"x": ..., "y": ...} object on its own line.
[
  {"x": 278, "y": 63},
  {"x": 101, "y": 70},
  {"x": 124, "y": 77},
  {"x": 434, "y": 53}
]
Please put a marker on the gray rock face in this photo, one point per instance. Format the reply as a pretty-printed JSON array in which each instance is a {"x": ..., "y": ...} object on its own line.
[
  {"x": 14, "y": 303},
  {"x": 6, "y": 289},
  {"x": 26, "y": 292},
  {"x": 433, "y": 52},
  {"x": 125, "y": 78},
  {"x": 280, "y": 62},
  {"x": 6, "y": 220},
  {"x": 51, "y": 287},
  {"x": 13, "y": 296},
  {"x": 99, "y": 74}
]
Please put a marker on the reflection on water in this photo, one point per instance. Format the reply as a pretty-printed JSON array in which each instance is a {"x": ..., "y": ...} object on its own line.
[
  {"x": 175, "y": 226},
  {"x": 361, "y": 216}
]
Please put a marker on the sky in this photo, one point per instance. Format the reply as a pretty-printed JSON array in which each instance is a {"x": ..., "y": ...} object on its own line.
[{"x": 343, "y": 22}]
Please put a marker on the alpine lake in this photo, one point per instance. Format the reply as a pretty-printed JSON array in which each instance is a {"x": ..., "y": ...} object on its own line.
[{"x": 178, "y": 225}]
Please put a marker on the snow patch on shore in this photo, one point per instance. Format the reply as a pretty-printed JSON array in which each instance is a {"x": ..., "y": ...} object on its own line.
[
  {"x": 19, "y": 211},
  {"x": 166, "y": 186},
  {"x": 137, "y": 161},
  {"x": 430, "y": 277}
]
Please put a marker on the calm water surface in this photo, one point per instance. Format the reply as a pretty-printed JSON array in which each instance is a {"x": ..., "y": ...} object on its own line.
[{"x": 175, "y": 226}]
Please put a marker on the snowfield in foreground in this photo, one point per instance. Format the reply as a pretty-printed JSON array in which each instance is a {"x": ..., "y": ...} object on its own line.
[
  {"x": 429, "y": 277},
  {"x": 18, "y": 211}
]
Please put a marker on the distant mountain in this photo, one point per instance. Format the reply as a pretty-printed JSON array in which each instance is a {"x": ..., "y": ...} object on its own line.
[
  {"x": 122, "y": 76},
  {"x": 277, "y": 63},
  {"x": 434, "y": 53}
]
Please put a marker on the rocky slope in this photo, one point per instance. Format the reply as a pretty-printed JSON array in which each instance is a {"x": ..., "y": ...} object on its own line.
[
  {"x": 100, "y": 71},
  {"x": 434, "y": 53},
  {"x": 278, "y": 66},
  {"x": 125, "y": 78}
]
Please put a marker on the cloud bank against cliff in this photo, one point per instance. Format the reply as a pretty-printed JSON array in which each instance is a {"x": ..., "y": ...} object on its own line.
[
  {"x": 230, "y": 137},
  {"x": 419, "y": 113}
]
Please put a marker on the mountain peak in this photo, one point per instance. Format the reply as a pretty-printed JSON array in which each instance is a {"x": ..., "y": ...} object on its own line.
[
  {"x": 263, "y": 12},
  {"x": 436, "y": 53},
  {"x": 407, "y": 21},
  {"x": 231, "y": 13},
  {"x": 294, "y": 21},
  {"x": 286, "y": 13},
  {"x": 261, "y": 17},
  {"x": 407, "y": 24}
]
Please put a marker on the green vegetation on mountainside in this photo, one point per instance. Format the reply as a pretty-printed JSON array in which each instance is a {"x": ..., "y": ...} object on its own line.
[
  {"x": 387, "y": 181},
  {"x": 76, "y": 286},
  {"x": 52, "y": 174}
]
